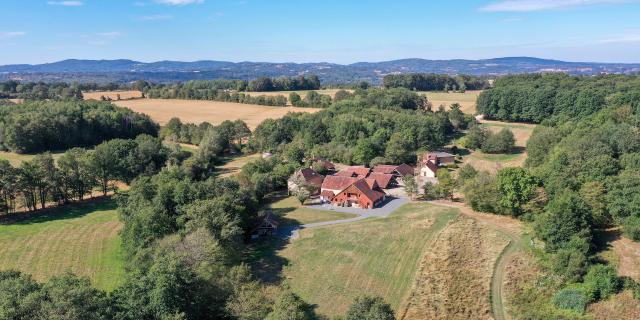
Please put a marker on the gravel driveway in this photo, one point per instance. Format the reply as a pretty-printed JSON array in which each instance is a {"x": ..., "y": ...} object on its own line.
[{"x": 388, "y": 207}]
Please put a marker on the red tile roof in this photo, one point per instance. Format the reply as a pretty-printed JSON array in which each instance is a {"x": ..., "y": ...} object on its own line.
[
  {"x": 312, "y": 177},
  {"x": 383, "y": 179},
  {"x": 360, "y": 172},
  {"x": 405, "y": 170},
  {"x": 337, "y": 182},
  {"x": 327, "y": 194},
  {"x": 385, "y": 168},
  {"x": 371, "y": 194}
]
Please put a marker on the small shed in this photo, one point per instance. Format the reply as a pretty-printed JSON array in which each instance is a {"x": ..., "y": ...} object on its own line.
[{"x": 266, "y": 226}]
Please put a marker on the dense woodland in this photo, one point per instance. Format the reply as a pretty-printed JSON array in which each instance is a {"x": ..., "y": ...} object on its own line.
[
  {"x": 434, "y": 82},
  {"x": 581, "y": 178},
  {"x": 556, "y": 96},
  {"x": 48, "y": 126}
]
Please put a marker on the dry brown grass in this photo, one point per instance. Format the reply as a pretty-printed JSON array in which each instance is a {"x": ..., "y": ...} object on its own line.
[
  {"x": 621, "y": 306},
  {"x": 455, "y": 274},
  {"x": 627, "y": 254},
  {"x": 234, "y": 165},
  {"x": 521, "y": 269},
  {"x": 197, "y": 111},
  {"x": 16, "y": 159},
  {"x": 96, "y": 95}
]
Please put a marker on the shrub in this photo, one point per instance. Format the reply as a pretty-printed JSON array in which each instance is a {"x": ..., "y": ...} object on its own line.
[
  {"x": 602, "y": 281},
  {"x": 501, "y": 142},
  {"x": 631, "y": 227},
  {"x": 573, "y": 299}
]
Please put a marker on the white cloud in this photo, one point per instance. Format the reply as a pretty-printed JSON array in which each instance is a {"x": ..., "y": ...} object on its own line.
[
  {"x": 109, "y": 35},
  {"x": 11, "y": 34},
  {"x": 179, "y": 2},
  {"x": 65, "y": 3},
  {"x": 539, "y": 5},
  {"x": 625, "y": 38},
  {"x": 156, "y": 17}
]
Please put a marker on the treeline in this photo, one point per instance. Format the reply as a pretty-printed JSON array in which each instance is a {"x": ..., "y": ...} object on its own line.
[
  {"x": 373, "y": 125},
  {"x": 40, "y": 126},
  {"x": 557, "y": 97},
  {"x": 200, "y": 90},
  {"x": 190, "y": 133},
  {"x": 39, "y": 90},
  {"x": 311, "y": 82},
  {"x": 43, "y": 180},
  {"x": 434, "y": 82}
]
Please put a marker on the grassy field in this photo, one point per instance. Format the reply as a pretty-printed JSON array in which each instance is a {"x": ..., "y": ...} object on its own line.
[
  {"x": 493, "y": 162},
  {"x": 16, "y": 159},
  {"x": 293, "y": 213},
  {"x": 96, "y": 95},
  {"x": 331, "y": 266},
  {"x": 81, "y": 238},
  {"x": 197, "y": 111},
  {"x": 466, "y": 99},
  {"x": 234, "y": 164}
]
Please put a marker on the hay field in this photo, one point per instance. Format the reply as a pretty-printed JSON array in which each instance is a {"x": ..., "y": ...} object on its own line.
[
  {"x": 81, "y": 238},
  {"x": 466, "y": 99},
  {"x": 16, "y": 159},
  {"x": 454, "y": 279},
  {"x": 197, "y": 111},
  {"x": 330, "y": 266},
  {"x": 234, "y": 164},
  {"x": 95, "y": 95}
]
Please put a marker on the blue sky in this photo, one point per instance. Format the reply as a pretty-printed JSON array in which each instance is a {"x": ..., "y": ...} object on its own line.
[{"x": 341, "y": 31}]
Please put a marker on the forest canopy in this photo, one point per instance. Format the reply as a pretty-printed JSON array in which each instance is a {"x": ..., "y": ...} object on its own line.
[
  {"x": 556, "y": 96},
  {"x": 47, "y": 125}
]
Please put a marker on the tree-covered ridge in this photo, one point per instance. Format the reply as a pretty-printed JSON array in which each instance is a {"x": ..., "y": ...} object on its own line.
[
  {"x": 538, "y": 97},
  {"x": 434, "y": 82},
  {"x": 47, "y": 126},
  {"x": 386, "y": 125}
]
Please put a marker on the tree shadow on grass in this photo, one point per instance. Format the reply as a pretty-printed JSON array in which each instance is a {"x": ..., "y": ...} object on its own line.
[
  {"x": 69, "y": 211},
  {"x": 602, "y": 239},
  {"x": 262, "y": 256}
]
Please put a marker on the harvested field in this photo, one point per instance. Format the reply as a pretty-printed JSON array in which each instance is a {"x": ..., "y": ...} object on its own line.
[
  {"x": 466, "y": 99},
  {"x": 96, "y": 95},
  {"x": 197, "y": 111},
  {"x": 80, "y": 238},
  {"x": 331, "y": 266},
  {"x": 455, "y": 274}
]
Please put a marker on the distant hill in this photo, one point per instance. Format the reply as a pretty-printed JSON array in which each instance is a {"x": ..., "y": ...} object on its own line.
[{"x": 123, "y": 70}]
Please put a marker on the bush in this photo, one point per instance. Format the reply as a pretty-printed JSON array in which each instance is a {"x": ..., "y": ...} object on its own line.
[
  {"x": 631, "y": 227},
  {"x": 602, "y": 281},
  {"x": 501, "y": 142},
  {"x": 573, "y": 299}
]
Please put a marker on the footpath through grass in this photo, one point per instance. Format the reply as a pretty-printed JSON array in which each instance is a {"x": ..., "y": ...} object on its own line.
[
  {"x": 79, "y": 238},
  {"x": 331, "y": 266}
]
